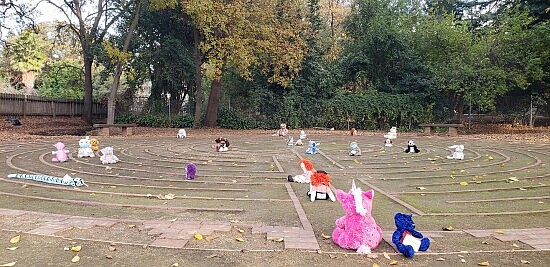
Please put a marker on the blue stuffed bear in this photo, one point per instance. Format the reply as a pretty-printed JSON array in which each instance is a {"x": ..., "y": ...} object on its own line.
[{"x": 406, "y": 239}]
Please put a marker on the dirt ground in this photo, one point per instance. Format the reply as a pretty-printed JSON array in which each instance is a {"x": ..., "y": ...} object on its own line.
[{"x": 40, "y": 250}]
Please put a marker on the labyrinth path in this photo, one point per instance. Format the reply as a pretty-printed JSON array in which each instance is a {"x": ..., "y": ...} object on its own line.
[{"x": 241, "y": 198}]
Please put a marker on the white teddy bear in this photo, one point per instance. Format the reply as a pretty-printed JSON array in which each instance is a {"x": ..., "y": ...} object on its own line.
[
  {"x": 108, "y": 156},
  {"x": 182, "y": 133},
  {"x": 85, "y": 149},
  {"x": 458, "y": 153},
  {"x": 392, "y": 134}
]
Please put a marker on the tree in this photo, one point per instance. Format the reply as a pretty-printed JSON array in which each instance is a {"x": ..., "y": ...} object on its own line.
[
  {"x": 91, "y": 24},
  {"x": 244, "y": 35},
  {"x": 119, "y": 57},
  {"x": 62, "y": 79},
  {"x": 27, "y": 57}
]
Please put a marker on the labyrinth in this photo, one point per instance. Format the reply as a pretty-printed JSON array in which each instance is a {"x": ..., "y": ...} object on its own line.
[{"x": 496, "y": 199}]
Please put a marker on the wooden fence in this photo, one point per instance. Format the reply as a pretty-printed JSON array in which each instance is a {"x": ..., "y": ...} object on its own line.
[{"x": 26, "y": 105}]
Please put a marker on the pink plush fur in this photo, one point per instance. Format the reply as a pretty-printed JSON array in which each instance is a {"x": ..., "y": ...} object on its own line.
[{"x": 357, "y": 229}]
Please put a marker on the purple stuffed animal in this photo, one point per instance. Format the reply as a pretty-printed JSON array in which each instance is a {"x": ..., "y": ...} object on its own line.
[
  {"x": 190, "y": 171},
  {"x": 357, "y": 229}
]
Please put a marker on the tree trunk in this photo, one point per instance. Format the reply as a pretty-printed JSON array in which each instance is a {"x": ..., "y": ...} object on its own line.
[
  {"x": 28, "y": 78},
  {"x": 88, "y": 89},
  {"x": 213, "y": 103},
  {"x": 198, "y": 79},
  {"x": 111, "y": 101}
]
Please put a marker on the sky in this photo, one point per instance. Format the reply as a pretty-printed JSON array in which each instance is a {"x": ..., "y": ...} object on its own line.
[{"x": 44, "y": 12}]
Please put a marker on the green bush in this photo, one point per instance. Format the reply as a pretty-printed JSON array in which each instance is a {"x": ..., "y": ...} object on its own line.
[
  {"x": 157, "y": 120},
  {"x": 231, "y": 120}
]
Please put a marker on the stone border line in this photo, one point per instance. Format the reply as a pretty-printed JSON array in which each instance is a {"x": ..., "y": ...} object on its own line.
[
  {"x": 293, "y": 237},
  {"x": 395, "y": 199}
]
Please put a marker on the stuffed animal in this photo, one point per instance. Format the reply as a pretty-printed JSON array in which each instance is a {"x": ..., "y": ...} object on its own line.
[
  {"x": 290, "y": 141},
  {"x": 181, "y": 133},
  {"x": 94, "y": 143},
  {"x": 392, "y": 134},
  {"x": 85, "y": 150},
  {"x": 354, "y": 149},
  {"x": 108, "y": 156},
  {"x": 190, "y": 171},
  {"x": 357, "y": 229},
  {"x": 319, "y": 187},
  {"x": 312, "y": 147},
  {"x": 61, "y": 154},
  {"x": 303, "y": 134},
  {"x": 352, "y": 132},
  {"x": 65, "y": 180},
  {"x": 458, "y": 153},
  {"x": 299, "y": 142},
  {"x": 14, "y": 122},
  {"x": 305, "y": 177},
  {"x": 388, "y": 142},
  {"x": 283, "y": 131},
  {"x": 406, "y": 239},
  {"x": 222, "y": 144},
  {"x": 411, "y": 147}
]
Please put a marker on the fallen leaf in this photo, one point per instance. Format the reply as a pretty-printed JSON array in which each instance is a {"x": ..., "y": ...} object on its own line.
[
  {"x": 76, "y": 248},
  {"x": 131, "y": 225},
  {"x": 499, "y": 232},
  {"x": 375, "y": 265},
  {"x": 240, "y": 239},
  {"x": 12, "y": 248},
  {"x": 464, "y": 183},
  {"x": 75, "y": 258},
  {"x": 332, "y": 256},
  {"x": 525, "y": 262},
  {"x": 484, "y": 263},
  {"x": 461, "y": 171},
  {"x": 387, "y": 256},
  {"x": 515, "y": 245},
  {"x": 522, "y": 189},
  {"x": 111, "y": 248},
  {"x": 170, "y": 196},
  {"x": 109, "y": 256},
  {"x": 173, "y": 220},
  {"x": 281, "y": 239},
  {"x": 394, "y": 262},
  {"x": 212, "y": 256},
  {"x": 240, "y": 230},
  {"x": 66, "y": 248},
  {"x": 462, "y": 260},
  {"x": 421, "y": 188},
  {"x": 8, "y": 264},
  {"x": 448, "y": 228},
  {"x": 485, "y": 242},
  {"x": 15, "y": 239},
  {"x": 198, "y": 236},
  {"x": 325, "y": 236},
  {"x": 440, "y": 259},
  {"x": 209, "y": 238},
  {"x": 175, "y": 264}
]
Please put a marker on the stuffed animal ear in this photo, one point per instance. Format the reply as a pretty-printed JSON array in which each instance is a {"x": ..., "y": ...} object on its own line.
[
  {"x": 369, "y": 194},
  {"x": 340, "y": 195}
]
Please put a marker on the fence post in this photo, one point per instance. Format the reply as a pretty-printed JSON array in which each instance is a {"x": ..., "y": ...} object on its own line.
[
  {"x": 53, "y": 108},
  {"x": 25, "y": 106}
]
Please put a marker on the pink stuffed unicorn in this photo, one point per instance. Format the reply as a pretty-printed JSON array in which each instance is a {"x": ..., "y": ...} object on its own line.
[
  {"x": 357, "y": 229},
  {"x": 61, "y": 154}
]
